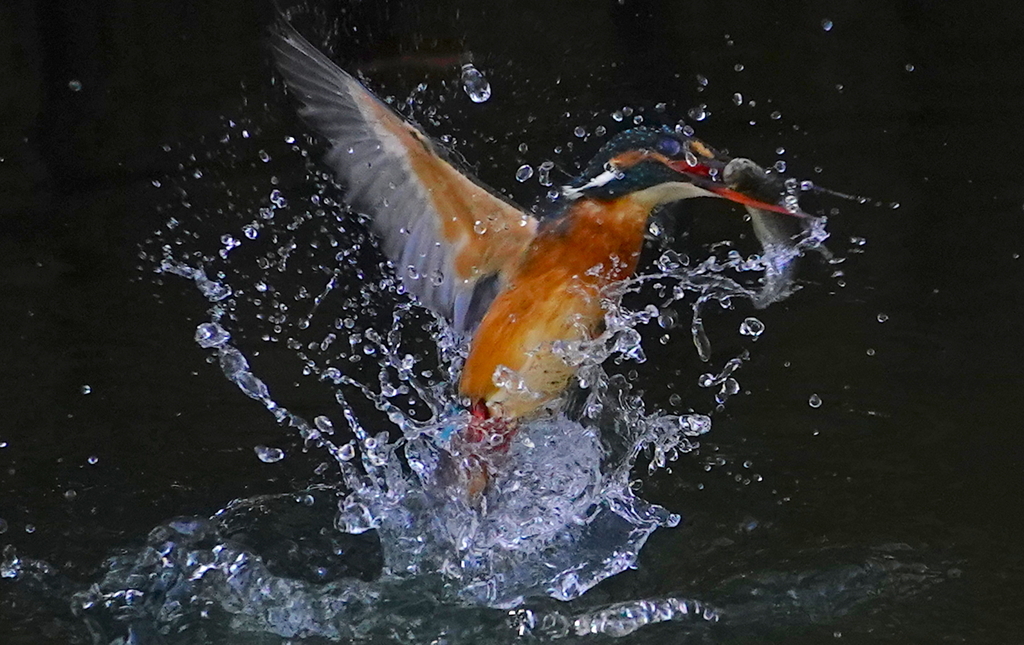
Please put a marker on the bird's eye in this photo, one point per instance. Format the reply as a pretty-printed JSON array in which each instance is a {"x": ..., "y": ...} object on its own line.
[{"x": 669, "y": 147}]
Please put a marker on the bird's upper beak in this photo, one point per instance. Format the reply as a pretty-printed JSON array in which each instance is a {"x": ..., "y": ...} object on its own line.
[{"x": 738, "y": 180}]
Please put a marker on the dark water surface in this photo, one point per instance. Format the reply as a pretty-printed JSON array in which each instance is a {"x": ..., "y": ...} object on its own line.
[{"x": 891, "y": 513}]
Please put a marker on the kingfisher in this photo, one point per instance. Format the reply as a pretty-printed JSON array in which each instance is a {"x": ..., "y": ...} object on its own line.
[{"x": 516, "y": 286}]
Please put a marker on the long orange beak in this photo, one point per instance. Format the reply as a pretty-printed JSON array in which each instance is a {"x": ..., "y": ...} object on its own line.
[{"x": 701, "y": 176}]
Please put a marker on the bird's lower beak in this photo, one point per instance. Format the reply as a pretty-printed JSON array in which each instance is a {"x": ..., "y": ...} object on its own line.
[
  {"x": 747, "y": 200},
  {"x": 739, "y": 181}
]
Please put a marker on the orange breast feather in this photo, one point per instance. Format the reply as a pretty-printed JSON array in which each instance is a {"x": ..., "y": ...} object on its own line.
[{"x": 554, "y": 294}]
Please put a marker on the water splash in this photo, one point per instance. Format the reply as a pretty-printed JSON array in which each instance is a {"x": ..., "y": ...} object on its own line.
[
  {"x": 291, "y": 267},
  {"x": 560, "y": 515}
]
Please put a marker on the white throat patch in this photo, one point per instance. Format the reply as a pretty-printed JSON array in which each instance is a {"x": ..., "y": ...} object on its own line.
[{"x": 603, "y": 179}]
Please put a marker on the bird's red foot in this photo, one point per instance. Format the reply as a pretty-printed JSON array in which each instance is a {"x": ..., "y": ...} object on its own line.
[{"x": 483, "y": 442}]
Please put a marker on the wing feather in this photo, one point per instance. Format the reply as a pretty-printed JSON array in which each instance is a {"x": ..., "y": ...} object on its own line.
[{"x": 445, "y": 233}]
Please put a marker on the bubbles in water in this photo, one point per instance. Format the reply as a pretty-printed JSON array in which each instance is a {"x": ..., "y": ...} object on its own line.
[
  {"x": 475, "y": 84},
  {"x": 814, "y": 401},
  {"x": 752, "y": 327},
  {"x": 524, "y": 172},
  {"x": 269, "y": 455}
]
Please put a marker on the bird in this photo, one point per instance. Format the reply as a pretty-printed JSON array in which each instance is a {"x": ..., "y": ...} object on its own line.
[{"x": 515, "y": 285}]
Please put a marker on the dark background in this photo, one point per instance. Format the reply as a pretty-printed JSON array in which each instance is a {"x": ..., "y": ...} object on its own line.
[{"x": 918, "y": 445}]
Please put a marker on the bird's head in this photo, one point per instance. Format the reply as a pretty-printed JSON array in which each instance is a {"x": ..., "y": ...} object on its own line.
[{"x": 666, "y": 166}]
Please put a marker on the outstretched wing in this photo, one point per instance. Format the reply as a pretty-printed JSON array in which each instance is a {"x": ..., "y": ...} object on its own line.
[{"x": 448, "y": 236}]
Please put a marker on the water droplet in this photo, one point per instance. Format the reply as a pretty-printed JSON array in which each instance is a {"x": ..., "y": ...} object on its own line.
[
  {"x": 211, "y": 334},
  {"x": 698, "y": 113},
  {"x": 870, "y": 351},
  {"x": 776, "y": 115},
  {"x": 814, "y": 401},
  {"x": 75, "y": 85},
  {"x": 579, "y": 132},
  {"x": 909, "y": 67},
  {"x": 475, "y": 84},
  {"x": 3, "y": 525},
  {"x": 524, "y": 172},
  {"x": 752, "y": 327},
  {"x": 780, "y": 150},
  {"x": 737, "y": 99},
  {"x": 668, "y": 319},
  {"x": 347, "y": 452},
  {"x": 780, "y": 165},
  {"x": 264, "y": 157},
  {"x": 730, "y": 387},
  {"x": 883, "y": 317},
  {"x": 232, "y": 362},
  {"x": 617, "y": 115},
  {"x": 826, "y": 24},
  {"x": 324, "y": 425},
  {"x": 544, "y": 173},
  {"x": 600, "y": 131},
  {"x": 30, "y": 528},
  {"x": 701, "y": 341},
  {"x": 93, "y": 460},
  {"x": 70, "y": 494},
  {"x": 269, "y": 455},
  {"x": 86, "y": 389},
  {"x": 738, "y": 67}
]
